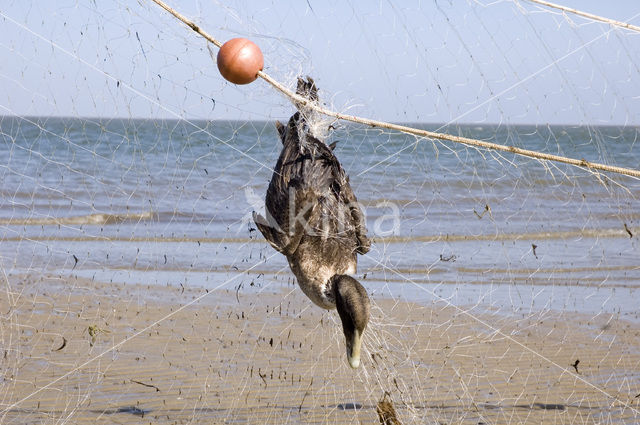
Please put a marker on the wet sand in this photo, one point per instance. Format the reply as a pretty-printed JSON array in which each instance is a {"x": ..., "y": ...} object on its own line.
[{"x": 78, "y": 351}]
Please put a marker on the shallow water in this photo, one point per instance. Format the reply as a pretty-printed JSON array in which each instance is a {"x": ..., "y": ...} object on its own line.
[{"x": 168, "y": 202}]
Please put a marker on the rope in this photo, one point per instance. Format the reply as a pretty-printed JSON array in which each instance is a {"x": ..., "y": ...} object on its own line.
[
  {"x": 588, "y": 15},
  {"x": 189, "y": 23},
  {"x": 410, "y": 130}
]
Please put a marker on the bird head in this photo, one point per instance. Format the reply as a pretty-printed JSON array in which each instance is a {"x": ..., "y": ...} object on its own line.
[{"x": 352, "y": 303}]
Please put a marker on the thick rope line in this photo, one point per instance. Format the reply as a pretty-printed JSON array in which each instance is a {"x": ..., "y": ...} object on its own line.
[
  {"x": 594, "y": 166},
  {"x": 449, "y": 137},
  {"x": 588, "y": 15},
  {"x": 189, "y": 23}
]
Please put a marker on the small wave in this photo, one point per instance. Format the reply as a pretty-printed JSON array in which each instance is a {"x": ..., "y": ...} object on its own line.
[
  {"x": 570, "y": 234},
  {"x": 96, "y": 219}
]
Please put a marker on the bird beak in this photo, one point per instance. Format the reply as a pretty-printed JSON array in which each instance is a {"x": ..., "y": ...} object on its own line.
[{"x": 353, "y": 349}]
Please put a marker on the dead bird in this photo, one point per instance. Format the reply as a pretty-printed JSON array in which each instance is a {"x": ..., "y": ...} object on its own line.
[{"x": 314, "y": 219}]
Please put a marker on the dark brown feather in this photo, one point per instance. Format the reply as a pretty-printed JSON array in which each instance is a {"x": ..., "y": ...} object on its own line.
[{"x": 307, "y": 165}]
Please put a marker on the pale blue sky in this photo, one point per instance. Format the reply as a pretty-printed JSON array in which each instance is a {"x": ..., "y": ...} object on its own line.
[{"x": 459, "y": 61}]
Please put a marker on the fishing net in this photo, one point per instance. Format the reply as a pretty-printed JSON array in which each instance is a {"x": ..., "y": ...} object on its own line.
[{"x": 135, "y": 286}]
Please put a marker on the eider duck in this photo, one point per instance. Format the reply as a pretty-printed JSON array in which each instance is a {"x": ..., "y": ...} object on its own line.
[{"x": 314, "y": 219}]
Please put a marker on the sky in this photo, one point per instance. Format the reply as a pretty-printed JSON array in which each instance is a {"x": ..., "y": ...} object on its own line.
[{"x": 454, "y": 61}]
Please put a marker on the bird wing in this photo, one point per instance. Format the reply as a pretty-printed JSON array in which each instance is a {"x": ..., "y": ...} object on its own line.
[
  {"x": 309, "y": 193},
  {"x": 340, "y": 217}
]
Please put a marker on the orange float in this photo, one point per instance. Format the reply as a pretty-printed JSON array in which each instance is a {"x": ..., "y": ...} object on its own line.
[{"x": 239, "y": 61}]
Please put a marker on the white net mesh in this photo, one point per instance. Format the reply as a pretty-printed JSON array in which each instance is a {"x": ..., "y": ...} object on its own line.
[{"x": 134, "y": 284}]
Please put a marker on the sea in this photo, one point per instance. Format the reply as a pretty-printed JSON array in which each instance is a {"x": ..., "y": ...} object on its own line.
[{"x": 169, "y": 202}]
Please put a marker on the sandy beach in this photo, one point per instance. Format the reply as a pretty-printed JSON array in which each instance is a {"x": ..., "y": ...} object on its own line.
[{"x": 78, "y": 351}]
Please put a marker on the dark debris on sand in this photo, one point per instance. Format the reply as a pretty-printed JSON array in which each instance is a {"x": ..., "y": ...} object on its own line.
[{"x": 386, "y": 411}]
